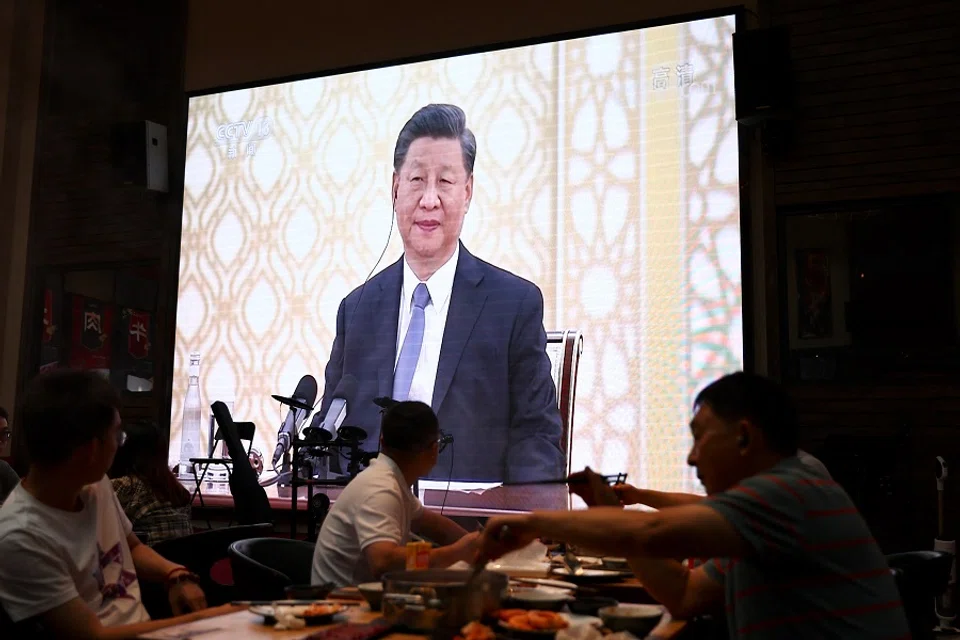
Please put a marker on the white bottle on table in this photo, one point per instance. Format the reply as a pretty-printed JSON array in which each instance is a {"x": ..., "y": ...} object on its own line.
[{"x": 190, "y": 445}]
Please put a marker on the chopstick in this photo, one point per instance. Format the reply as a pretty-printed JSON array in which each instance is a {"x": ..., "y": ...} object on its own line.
[
  {"x": 619, "y": 478},
  {"x": 269, "y": 603}
]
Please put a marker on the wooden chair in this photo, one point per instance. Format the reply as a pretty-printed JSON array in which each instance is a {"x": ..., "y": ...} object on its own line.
[{"x": 564, "y": 349}]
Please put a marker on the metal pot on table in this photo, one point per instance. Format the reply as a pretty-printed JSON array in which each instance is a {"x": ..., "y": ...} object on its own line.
[{"x": 439, "y": 599}]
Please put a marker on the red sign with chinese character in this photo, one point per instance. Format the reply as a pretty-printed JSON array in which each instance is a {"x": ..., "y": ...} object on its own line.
[
  {"x": 92, "y": 321},
  {"x": 138, "y": 334}
]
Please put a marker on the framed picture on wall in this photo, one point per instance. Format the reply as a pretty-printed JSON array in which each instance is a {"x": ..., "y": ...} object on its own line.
[{"x": 814, "y": 295}]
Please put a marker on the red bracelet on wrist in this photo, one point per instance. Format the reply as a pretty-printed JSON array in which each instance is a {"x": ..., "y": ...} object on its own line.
[{"x": 178, "y": 575}]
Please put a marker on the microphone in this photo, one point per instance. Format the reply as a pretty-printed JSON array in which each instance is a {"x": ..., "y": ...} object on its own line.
[
  {"x": 343, "y": 396},
  {"x": 306, "y": 392},
  {"x": 445, "y": 439}
]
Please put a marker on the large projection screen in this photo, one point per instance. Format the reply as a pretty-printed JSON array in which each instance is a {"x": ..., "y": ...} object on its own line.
[{"x": 607, "y": 173}]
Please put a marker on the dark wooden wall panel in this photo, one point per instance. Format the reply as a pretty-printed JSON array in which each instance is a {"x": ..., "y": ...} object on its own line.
[
  {"x": 107, "y": 62},
  {"x": 877, "y": 94}
]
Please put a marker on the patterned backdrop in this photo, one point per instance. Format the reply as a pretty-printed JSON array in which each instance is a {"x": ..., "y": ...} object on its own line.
[{"x": 607, "y": 173}]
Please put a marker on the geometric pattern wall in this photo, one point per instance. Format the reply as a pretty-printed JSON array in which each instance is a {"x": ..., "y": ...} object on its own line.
[{"x": 607, "y": 173}]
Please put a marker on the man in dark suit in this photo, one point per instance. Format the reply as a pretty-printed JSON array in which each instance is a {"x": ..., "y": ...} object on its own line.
[{"x": 446, "y": 328}]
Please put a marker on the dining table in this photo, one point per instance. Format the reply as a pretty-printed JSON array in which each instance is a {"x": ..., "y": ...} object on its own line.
[{"x": 239, "y": 623}]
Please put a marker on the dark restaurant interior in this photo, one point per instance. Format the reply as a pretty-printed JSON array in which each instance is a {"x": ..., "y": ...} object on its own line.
[{"x": 848, "y": 165}]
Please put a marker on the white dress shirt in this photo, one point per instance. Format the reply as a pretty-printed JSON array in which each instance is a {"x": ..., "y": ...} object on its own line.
[{"x": 440, "y": 287}]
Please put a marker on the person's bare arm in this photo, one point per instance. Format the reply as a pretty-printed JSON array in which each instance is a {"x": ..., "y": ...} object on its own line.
[
  {"x": 152, "y": 567},
  {"x": 694, "y": 531},
  {"x": 629, "y": 494},
  {"x": 684, "y": 592},
  {"x": 390, "y": 556},
  {"x": 74, "y": 619},
  {"x": 438, "y": 528}
]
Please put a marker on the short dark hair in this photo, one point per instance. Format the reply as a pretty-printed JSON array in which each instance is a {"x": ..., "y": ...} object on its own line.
[
  {"x": 437, "y": 121},
  {"x": 4, "y": 414},
  {"x": 409, "y": 426},
  {"x": 762, "y": 401},
  {"x": 63, "y": 410}
]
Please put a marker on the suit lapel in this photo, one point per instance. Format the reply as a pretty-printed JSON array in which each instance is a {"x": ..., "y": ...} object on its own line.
[
  {"x": 385, "y": 312},
  {"x": 466, "y": 303}
]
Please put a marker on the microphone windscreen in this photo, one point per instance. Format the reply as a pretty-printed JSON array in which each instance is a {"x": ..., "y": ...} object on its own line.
[{"x": 306, "y": 390}]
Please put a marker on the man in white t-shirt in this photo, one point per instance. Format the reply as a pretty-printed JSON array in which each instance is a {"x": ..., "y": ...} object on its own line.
[
  {"x": 69, "y": 562},
  {"x": 366, "y": 531}
]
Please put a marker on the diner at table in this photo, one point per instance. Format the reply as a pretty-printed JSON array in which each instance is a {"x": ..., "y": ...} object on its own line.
[{"x": 776, "y": 544}]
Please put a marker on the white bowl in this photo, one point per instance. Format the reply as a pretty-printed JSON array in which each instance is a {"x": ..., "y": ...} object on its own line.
[{"x": 638, "y": 619}]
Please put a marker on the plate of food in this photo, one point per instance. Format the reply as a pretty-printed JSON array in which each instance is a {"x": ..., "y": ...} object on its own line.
[
  {"x": 538, "y": 624},
  {"x": 311, "y": 614}
]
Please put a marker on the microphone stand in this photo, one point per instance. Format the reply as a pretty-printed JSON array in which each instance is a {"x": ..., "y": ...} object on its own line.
[{"x": 284, "y": 473}]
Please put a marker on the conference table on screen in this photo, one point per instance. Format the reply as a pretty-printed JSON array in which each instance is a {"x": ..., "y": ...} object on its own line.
[{"x": 480, "y": 503}]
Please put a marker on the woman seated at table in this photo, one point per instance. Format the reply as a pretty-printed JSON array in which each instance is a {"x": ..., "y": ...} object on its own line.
[
  {"x": 366, "y": 531},
  {"x": 152, "y": 498}
]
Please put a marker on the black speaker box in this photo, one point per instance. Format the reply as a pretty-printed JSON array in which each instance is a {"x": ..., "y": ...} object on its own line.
[
  {"x": 139, "y": 153},
  {"x": 763, "y": 78}
]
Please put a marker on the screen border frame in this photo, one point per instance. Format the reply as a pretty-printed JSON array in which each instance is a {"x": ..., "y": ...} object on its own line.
[{"x": 745, "y": 157}]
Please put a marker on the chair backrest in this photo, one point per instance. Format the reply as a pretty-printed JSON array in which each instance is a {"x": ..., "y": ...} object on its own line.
[
  {"x": 564, "y": 349},
  {"x": 250, "y": 501},
  {"x": 263, "y": 567},
  {"x": 199, "y": 552},
  {"x": 246, "y": 431},
  {"x": 921, "y": 576}
]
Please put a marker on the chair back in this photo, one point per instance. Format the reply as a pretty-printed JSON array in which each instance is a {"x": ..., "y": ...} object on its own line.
[
  {"x": 199, "y": 552},
  {"x": 249, "y": 499},
  {"x": 921, "y": 576},
  {"x": 564, "y": 349},
  {"x": 264, "y": 567},
  {"x": 246, "y": 431}
]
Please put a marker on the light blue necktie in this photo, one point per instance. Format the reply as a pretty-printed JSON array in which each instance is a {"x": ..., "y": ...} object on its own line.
[{"x": 412, "y": 343}]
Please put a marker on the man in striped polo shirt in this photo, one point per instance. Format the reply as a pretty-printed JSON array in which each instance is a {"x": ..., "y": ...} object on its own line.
[{"x": 798, "y": 559}]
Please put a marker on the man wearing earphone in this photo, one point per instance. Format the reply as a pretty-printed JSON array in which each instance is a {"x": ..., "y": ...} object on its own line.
[{"x": 445, "y": 328}]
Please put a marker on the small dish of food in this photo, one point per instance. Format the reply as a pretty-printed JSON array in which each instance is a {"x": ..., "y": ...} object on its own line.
[
  {"x": 311, "y": 614},
  {"x": 524, "y": 623}
]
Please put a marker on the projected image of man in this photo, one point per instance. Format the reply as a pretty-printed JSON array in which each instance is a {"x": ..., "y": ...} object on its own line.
[{"x": 443, "y": 327}]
